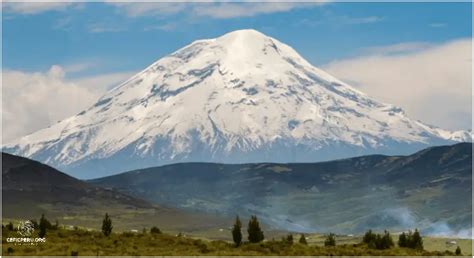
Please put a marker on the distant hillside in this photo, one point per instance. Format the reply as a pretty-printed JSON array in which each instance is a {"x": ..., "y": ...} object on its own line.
[
  {"x": 430, "y": 189},
  {"x": 31, "y": 188}
]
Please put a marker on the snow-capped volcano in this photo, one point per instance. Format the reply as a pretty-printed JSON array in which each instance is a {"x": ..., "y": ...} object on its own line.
[{"x": 242, "y": 97}]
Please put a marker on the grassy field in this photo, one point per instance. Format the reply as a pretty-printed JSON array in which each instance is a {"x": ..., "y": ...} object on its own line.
[
  {"x": 125, "y": 218},
  {"x": 430, "y": 243},
  {"x": 81, "y": 241}
]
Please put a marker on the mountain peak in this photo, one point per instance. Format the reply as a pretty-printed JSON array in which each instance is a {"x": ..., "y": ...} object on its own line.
[
  {"x": 240, "y": 47},
  {"x": 241, "y": 97},
  {"x": 251, "y": 42},
  {"x": 244, "y": 35}
]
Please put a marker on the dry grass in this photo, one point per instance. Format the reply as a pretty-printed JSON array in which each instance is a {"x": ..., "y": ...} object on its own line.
[{"x": 92, "y": 243}]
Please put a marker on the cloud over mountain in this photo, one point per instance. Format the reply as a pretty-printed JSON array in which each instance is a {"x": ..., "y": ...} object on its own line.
[{"x": 432, "y": 82}]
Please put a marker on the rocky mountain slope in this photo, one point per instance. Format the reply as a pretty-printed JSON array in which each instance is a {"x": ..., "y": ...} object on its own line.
[{"x": 242, "y": 97}]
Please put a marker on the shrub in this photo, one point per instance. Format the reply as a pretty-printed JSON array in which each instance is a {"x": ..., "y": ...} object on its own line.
[
  {"x": 10, "y": 226},
  {"x": 254, "y": 231},
  {"x": 10, "y": 249},
  {"x": 61, "y": 234},
  {"x": 155, "y": 230},
  {"x": 74, "y": 253},
  {"x": 237, "y": 232},
  {"x": 289, "y": 239},
  {"x": 458, "y": 251},
  {"x": 127, "y": 234},
  {"x": 330, "y": 240},
  {"x": 303, "y": 240},
  {"x": 203, "y": 248}
]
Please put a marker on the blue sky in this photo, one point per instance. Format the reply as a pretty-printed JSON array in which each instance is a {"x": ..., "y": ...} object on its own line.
[
  {"x": 59, "y": 58},
  {"x": 117, "y": 40}
]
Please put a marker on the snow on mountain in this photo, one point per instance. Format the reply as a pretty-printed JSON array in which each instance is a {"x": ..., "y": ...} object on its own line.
[{"x": 242, "y": 97}]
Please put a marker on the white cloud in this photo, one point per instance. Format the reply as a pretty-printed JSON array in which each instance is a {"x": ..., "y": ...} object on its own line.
[
  {"x": 233, "y": 10},
  {"x": 207, "y": 8},
  {"x": 397, "y": 49},
  {"x": 32, "y": 101},
  {"x": 164, "y": 27},
  {"x": 105, "y": 27},
  {"x": 78, "y": 67},
  {"x": 331, "y": 19},
  {"x": 438, "y": 25},
  {"x": 35, "y": 7},
  {"x": 103, "y": 81},
  {"x": 149, "y": 8},
  {"x": 360, "y": 20},
  {"x": 432, "y": 84},
  {"x": 223, "y": 10},
  {"x": 64, "y": 23}
]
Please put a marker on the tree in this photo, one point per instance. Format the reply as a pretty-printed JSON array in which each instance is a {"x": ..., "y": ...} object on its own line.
[
  {"x": 369, "y": 237},
  {"x": 402, "y": 240},
  {"x": 303, "y": 240},
  {"x": 107, "y": 225},
  {"x": 289, "y": 239},
  {"x": 416, "y": 241},
  {"x": 411, "y": 240},
  {"x": 458, "y": 251},
  {"x": 237, "y": 232},
  {"x": 254, "y": 231},
  {"x": 155, "y": 230},
  {"x": 44, "y": 224},
  {"x": 330, "y": 240},
  {"x": 384, "y": 242},
  {"x": 378, "y": 241}
]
